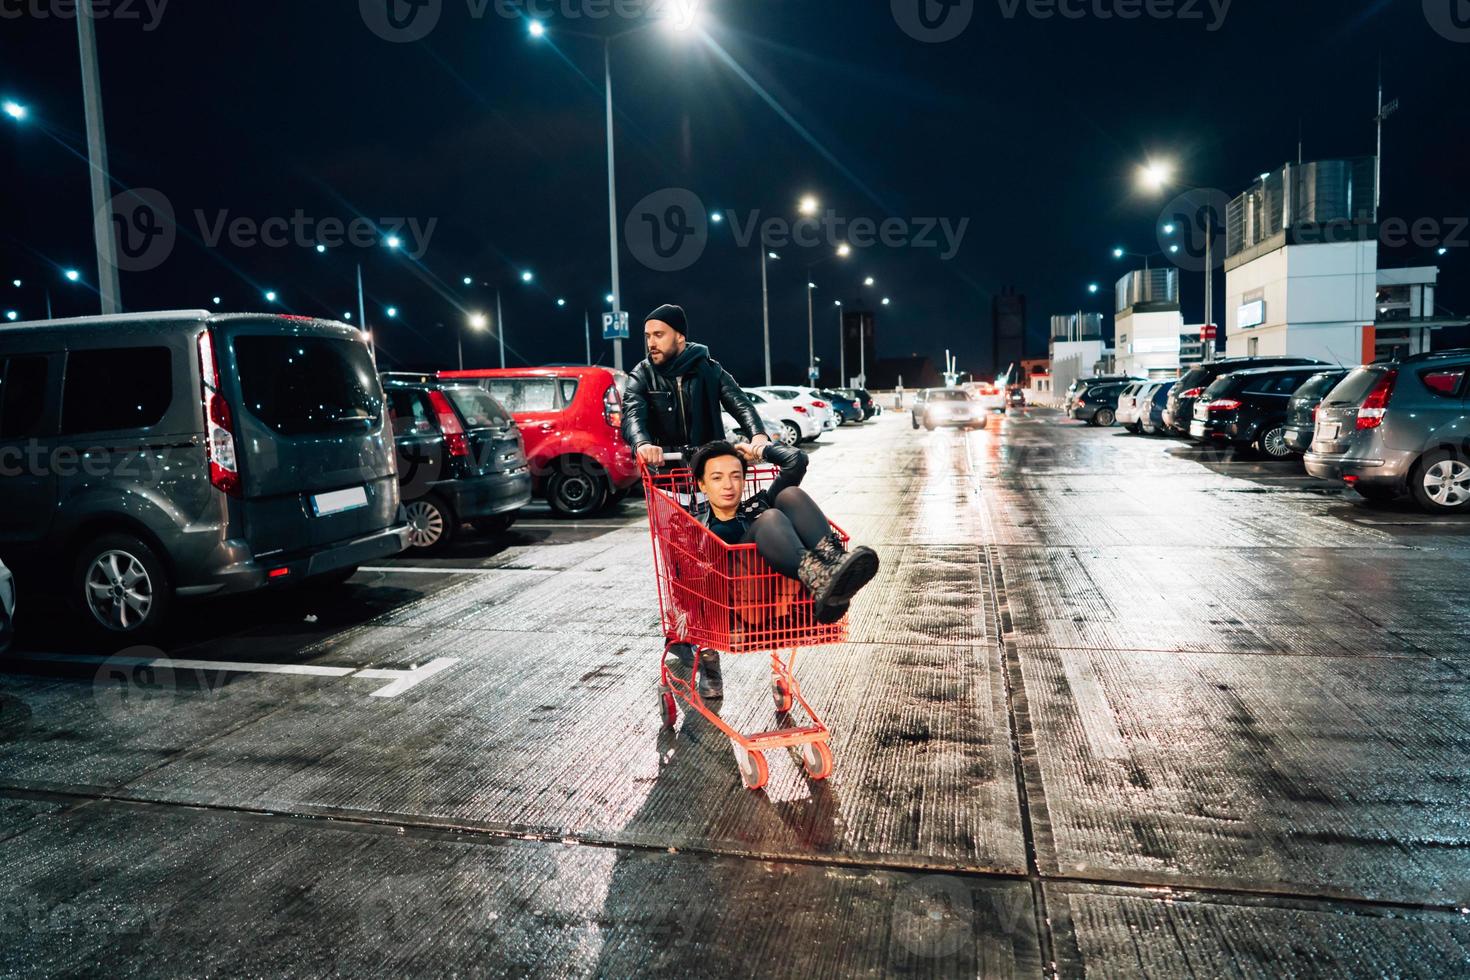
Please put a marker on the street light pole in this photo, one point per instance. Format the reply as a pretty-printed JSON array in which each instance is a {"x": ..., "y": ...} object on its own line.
[
  {"x": 612, "y": 206},
  {"x": 841, "y": 349},
  {"x": 107, "y": 285},
  {"x": 500, "y": 326},
  {"x": 811, "y": 344},
  {"x": 766, "y": 315},
  {"x": 587, "y": 329}
]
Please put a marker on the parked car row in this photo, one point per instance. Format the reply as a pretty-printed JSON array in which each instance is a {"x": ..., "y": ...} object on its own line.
[
  {"x": 151, "y": 457},
  {"x": 1387, "y": 429}
]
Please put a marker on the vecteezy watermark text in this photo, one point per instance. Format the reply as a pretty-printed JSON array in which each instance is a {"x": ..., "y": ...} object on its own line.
[
  {"x": 406, "y": 21},
  {"x": 937, "y": 21},
  {"x": 668, "y": 230},
  {"x": 149, "y": 12}
]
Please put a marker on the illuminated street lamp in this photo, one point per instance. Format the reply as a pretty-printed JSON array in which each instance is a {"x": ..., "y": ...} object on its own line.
[{"x": 15, "y": 110}]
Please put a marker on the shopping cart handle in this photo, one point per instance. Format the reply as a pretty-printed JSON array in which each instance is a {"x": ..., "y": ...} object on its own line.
[{"x": 673, "y": 457}]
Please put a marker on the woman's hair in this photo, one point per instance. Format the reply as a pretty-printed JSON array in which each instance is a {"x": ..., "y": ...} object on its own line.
[{"x": 713, "y": 450}]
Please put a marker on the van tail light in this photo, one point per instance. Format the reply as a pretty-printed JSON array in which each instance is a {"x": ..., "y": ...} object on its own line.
[
  {"x": 612, "y": 407},
  {"x": 799, "y": 409},
  {"x": 454, "y": 437},
  {"x": 1192, "y": 393},
  {"x": 219, "y": 427},
  {"x": 1223, "y": 405},
  {"x": 1370, "y": 413}
]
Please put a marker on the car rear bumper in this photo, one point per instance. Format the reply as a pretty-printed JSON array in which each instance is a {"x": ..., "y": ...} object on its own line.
[
  {"x": 1368, "y": 471},
  {"x": 237, "y": 570},
  {"x": 487, "y": 496},
  {"x": 1299, "y": 438}
]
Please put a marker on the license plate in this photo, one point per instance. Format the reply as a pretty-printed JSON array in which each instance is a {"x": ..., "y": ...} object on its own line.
[
  {"x": 1197, "y": 428},
  {"x": 337, "y": 501},
  {"x": 1329, "y": 430}
]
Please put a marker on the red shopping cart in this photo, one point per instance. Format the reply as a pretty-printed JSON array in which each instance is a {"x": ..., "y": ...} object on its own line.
[{"x": 717, "y": 596}]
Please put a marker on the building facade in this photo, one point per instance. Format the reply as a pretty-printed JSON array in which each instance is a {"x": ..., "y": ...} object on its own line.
[{"x": 1148, "y": 324}]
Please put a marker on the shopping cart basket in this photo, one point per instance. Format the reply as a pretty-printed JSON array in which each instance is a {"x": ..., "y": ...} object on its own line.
[{"x": 717, "y": 596}]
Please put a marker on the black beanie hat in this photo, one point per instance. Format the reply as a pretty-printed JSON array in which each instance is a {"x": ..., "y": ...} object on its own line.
[{"x": 672, "y": 315}]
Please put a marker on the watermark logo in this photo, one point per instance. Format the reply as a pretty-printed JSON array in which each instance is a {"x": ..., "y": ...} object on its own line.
[
  {"x": 148, "y": 12},
  {"x": 136, "y": 685},
  {"x": 141, "y": 222},
  {"x": 933, "y": 21},
  {"x": 668, "y": 230},
  {"x": 1195, "y": 222},
  {"x": 1449, "y": 18},
  {"x": 401, "y": 21}
]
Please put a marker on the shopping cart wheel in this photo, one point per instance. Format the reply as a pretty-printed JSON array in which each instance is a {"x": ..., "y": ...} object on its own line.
[
  {"x": 667, "y": 711},
  {"x": 816, "y": 757},
  {"x": 781, "y": 693},
  {"x": 753, "y": 769}
]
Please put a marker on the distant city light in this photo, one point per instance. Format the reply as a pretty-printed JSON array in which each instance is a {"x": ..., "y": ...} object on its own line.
[
  {"x": 868, "y": 281},
  {"x": 844, "y": 250},
  {"x": 347, "y": 316},
  {"x": 321, "y": 248},
  {"x": 216, "y": 301},
  {"x": 1444, "y": 251},
  {"x": 1118, "y": 253},
  {"x": 808, "y": 205},
  {"x": 72, "y": 275},
  {"x": 561, "y": 302},
  {"x": 772, "y": 255},
  {"x": 468, "y": 281},
  {"x": 811, "y": 285},
  {"x": 12, "y": 315},
  {"x": 716, "y": 217},
  {"x": 270, "y": 295},
  {"x": 1265, "y": 176},
  {"x": 479, "y": 321},
  {"x": 15, "y": 110},
  {"x": 1155, "y": 174},
  {"x": 609, "y": 297},
  {"x": 886, "y": 300},
  {"x": 537, "y": 28},
  {"x": 1173, "y": 248},
  {"x": 1092, "y": 287},
  {"x": 393, "y": 241},
  {"x": 15, "y": 283},
  {"x": 527, "y": 276},
  {"x": 392, "y": 312},
  {"x": 1169, "y": 229}
]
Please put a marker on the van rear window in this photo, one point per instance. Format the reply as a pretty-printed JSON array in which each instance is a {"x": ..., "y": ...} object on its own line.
[
  {"x": 116, "y": 388},
  {"x": 308, "y": 385}
]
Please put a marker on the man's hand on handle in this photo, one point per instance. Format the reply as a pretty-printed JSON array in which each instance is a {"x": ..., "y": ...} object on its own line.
[{"x": 650, "y": 454}]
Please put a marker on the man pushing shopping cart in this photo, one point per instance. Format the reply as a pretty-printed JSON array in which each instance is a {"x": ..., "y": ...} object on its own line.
[{"x": 745, "y": 560}]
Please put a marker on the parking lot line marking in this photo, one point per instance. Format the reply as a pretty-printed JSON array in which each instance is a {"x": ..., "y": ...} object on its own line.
[
  {"x": 402, "y": 680},
  {"x": 412, "y": 678},
  {"x": 431, "y": 570},
  {"x": 573, "y": 525},
  {"x": 310, "y": 670}
]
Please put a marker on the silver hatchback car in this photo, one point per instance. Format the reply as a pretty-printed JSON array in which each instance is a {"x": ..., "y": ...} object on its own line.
[{"x": 1395, "y": 427}]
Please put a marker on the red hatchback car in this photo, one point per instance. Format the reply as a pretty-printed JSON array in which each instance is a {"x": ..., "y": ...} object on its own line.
[{"x": 571, "y": 419}]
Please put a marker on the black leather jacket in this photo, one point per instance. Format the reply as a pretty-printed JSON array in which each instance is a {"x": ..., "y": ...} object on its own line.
[{"x": 672, "y": 413}]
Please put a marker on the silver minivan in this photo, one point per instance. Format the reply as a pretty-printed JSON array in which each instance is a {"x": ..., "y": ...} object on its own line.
[{"x": 151, "y": 456}]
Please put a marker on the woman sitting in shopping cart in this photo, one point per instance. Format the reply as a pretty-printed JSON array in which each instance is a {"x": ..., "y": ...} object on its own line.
[{"x": 789, "y": 530}]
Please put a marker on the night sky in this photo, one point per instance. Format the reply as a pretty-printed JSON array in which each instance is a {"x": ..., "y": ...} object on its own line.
[{"x": 1032, "y": 129}]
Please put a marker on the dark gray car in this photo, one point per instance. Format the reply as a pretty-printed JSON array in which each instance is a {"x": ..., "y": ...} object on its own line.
[
  {"x": 1395, "y": 427},
  {"x": 151, "y": 456}
]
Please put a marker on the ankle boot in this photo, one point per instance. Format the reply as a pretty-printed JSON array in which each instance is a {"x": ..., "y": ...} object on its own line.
[
  {"x": 816, "y": 574},
  {"x": 850, "y": 572},
  {"x": 711, "y": 679},
  {"x": 831, "y": 548}
]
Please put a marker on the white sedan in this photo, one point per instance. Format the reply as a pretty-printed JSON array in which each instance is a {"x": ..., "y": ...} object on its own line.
[
  {"x": 797, "y": 414},
  {"x": 989, "y": 397}
]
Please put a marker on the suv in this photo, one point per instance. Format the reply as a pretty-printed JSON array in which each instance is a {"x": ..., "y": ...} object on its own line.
[
  {"x": 571, "y": 419},
  {"x": 460, "y": 458},
  {"x": 863, "y": 399},
  {"x": 1180, "y": 409},
  {"x": 1249, "y": 408},
  {"x": 1301, "y": 411},
  {"x": 1098, "y": 403},
  {"x": 844, "y": 407},
  {"x": 1397, "y": 426},
  {"x": 150, "y": 456},
  {"x": 1078, "y": 388}
]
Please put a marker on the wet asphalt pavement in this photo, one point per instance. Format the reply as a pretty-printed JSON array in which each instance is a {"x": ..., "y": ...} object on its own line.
[{"x": 1115, "y": 706}]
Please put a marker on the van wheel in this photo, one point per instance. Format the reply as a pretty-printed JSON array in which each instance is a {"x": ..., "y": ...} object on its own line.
[
  {"x": 793, "y": 433},
  {"x": 431, "y": 524},
  {"x": 121, "y": 588},
  {"x": 1442, "y": 482},
  {"x": 575, "y": 490}
]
